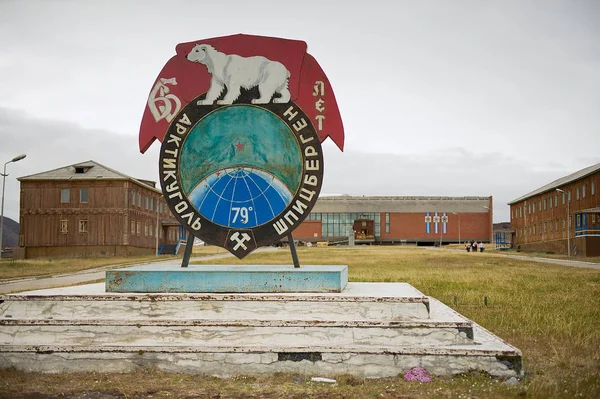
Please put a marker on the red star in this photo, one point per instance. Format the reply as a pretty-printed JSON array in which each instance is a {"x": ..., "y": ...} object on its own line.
[{"x": 239, "y": 146}]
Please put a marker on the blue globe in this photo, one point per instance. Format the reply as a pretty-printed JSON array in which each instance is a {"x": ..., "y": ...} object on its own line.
[{"x": 243, "y": 197}]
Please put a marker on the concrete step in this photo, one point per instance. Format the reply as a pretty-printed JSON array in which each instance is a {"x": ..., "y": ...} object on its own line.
[
  {"x": 359, "y": 301},
  {"x": 490, "y": 355},
  {"x": 201, "y": 333}
]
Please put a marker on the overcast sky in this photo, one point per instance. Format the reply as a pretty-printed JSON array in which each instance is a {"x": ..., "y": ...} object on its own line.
[{"x": 448, "y": 98}]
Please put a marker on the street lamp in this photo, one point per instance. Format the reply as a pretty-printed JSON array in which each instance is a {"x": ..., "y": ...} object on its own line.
[
  {"x": 157, "y": 222},
  {"x": 568, "y": 223},
  {"x": 454, "y": 213},
  {"x": 15, "y": 159}
]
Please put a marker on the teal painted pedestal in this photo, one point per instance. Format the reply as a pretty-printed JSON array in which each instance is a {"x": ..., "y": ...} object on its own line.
[{"x": 227, "y": 278}]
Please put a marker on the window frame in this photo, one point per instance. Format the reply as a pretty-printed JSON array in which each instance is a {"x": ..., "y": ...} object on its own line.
[
  {"x": 64, "y": 191},
  {"x": 64, "y": 223},
  {"x": 87, "y": 195},
  {"x": 83, "y": 225}
]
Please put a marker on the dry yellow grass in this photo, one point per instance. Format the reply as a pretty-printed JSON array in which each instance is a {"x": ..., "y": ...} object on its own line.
[{"x": 550, "y": 312}]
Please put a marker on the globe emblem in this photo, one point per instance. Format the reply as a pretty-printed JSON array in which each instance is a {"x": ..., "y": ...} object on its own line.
[{"x": 242, "y": 197}]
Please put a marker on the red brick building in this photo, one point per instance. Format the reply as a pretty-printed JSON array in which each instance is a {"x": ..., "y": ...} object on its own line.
[
  {"x": 88, "y": 209},
  {"x": 568, "y": 209},
  {"x": 421, "y": 220}
]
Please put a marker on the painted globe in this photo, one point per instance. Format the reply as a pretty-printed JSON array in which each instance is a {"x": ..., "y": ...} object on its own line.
[{"x": 242, "y": 197}]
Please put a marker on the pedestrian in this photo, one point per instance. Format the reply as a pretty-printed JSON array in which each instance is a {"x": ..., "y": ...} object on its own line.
[
  {"x": 481, "y": 246},
  {"x": 474, "y": 246},
  {"x": 468, "y": 246}
]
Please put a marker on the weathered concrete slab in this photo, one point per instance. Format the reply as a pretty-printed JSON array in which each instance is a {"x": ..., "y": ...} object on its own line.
[
  {"x": 227, "y": 278},
  {"x": 158, "y": 333},
  {"x": 359, "y": 301},
  {"x": 241, "y": 332}
]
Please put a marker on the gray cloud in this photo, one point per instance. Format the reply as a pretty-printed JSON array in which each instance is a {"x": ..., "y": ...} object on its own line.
[
  {"x": 51, "y": 144},
  {"x": 437, "y": 97}
]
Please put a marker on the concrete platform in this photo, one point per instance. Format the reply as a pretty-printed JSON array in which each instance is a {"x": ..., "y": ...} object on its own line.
[
  {"x": 385, "y": 329},
  {"x": 227, "y": 278}
]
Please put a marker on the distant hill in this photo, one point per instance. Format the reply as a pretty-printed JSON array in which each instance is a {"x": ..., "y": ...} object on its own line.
[{"x": 10, "y": 233}]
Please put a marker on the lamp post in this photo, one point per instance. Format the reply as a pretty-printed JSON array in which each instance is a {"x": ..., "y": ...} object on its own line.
[
  {"x": 15, "y": 159},
  {"x": 568, "y": 223},
  {"x": 157, "y": 221},
  {"x": 454, "y": 213}
]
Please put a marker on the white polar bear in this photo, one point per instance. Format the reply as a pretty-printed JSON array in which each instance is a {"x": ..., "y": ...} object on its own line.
[{"x": 234, "y": 72}]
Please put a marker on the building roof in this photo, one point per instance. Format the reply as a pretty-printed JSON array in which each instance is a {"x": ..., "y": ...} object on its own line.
[
  {"x": 404, "y": 204},
  {"x": 88, "y": 170},
  {"x": 559, "y": 182}
]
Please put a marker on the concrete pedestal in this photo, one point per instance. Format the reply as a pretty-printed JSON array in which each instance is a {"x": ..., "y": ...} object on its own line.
[
  {"x": 227, "y": 278},
  {"x": 369, "y": 329}
]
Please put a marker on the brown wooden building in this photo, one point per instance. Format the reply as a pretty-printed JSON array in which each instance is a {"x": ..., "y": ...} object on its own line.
[
  {"x": 88, "y": 209},
  {"x": 397, "y": 220},
  {"x": 568, "y": 208}
]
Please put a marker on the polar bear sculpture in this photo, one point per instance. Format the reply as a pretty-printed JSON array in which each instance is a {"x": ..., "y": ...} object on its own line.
[{"x": 234, "y": 72}]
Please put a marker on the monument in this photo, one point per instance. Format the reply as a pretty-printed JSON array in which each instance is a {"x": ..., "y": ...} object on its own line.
[{"x": 241, "y": 120}]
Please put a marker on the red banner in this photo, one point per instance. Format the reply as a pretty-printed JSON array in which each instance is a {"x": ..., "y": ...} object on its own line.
[{"x": 228, "y": 68}]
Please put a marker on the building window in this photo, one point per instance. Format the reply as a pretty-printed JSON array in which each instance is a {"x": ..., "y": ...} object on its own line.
[
  {"x": 564, "y": 224},
  {"x": 540, "y": 205},
  {"x": 133, "y": 227},
  {"x": 577, "y": 221},
  {"x": 545, "y": 203},
  {"x": 132, "y": 198},
  {"x": 593, "y": 187},
  {"x": 583, "y": 190},
  {"x": 550, "y": 201},
  {"x": 83, "y": 226},
  {"x": 83, "y": 195},
  {"x": 387, "y": 222},
  {"x": 139, "y": 199},
  {"x": 146, "y": 229},
  {"x": 545, "y": 227},
  {"x": 64, "y": 226},
  {"x": 577, "y": 193},
  {"x": 555, "y": 200},
  {"x": 569, "y": 196},
  {"x": 540, "y": 230},
  {"x": 563, "y": 198},
  {"x": 520, "y": 212},
  {"x": 65, "y": 195},
  {"x": 139, "y": 228},
  {"x": 555, "y": 224},
  {"x": 534, "y": 229}
]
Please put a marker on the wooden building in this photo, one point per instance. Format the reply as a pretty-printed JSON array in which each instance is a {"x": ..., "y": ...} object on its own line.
[
  {"x": 88, "y": 209},
  {"x": 397, "y": 220},
  {"x": 567, "y": 209}
]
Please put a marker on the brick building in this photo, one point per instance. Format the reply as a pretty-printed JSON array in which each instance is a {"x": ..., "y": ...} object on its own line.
[
  {"x": 88, "y": 209},
  {"x": 421, "y": 220},
  {"x": 568, "y": 208}
]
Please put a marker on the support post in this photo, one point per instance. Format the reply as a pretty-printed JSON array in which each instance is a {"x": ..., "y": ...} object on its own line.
[
  {"x": 293, "y": 250},
  {"x": 188, "y": 250}
]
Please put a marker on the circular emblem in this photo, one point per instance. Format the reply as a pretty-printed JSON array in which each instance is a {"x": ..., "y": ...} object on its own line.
[{"x": 241, "y": 176}]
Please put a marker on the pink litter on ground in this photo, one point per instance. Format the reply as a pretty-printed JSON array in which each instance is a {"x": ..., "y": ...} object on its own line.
[{"x": 417, "y": 374}]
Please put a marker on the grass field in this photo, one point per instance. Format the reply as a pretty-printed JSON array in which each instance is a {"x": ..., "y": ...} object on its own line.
[
  {"x": 11, "y": 269},
  {"x": 550, "y": 312}
]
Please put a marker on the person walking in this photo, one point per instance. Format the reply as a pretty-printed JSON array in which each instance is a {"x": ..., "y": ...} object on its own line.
[
  {"x": 481, "y": 246},
  {"x": 474, "y": 246}
]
